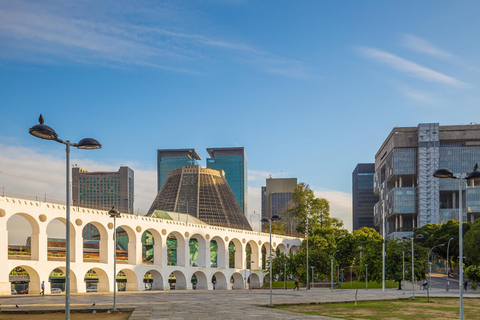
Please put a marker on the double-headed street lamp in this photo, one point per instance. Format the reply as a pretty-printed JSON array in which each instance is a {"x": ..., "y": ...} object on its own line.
[
  {"x": 331, "y": 268},
  {"x": 419, "y": 236},
  {"x": 448, "y": 174},
  {"x": 403, "y": 253},
  {"x": 269, "y": 221},
  {"x": 114, "y": 213},
  {"x": 43, "y": 131},
  {"x": 430, "y": 264}
]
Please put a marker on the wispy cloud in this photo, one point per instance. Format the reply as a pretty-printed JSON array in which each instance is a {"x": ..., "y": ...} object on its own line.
[
  {"x": 410, "y": 68},
  {"x": 422, "y": 97},
  {"x": 61, "y": 31},
  {"x": 423, "y": 46}
]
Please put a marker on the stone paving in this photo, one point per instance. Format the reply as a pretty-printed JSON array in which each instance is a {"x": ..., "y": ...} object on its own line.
[{"x": 202, "y": 305}]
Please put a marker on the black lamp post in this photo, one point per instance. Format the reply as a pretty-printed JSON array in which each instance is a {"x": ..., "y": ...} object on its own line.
[
  {"x": 43, "y": 131},
  {"x": 114, "y": 213},
  {"x": 274, "y": 217}
]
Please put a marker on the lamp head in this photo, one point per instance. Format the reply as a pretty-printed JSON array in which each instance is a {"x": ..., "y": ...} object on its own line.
[
  {"x": 474, "y": 175},
  {"x": 276, "y": 217},
  {"x": 419, "y": 236},
  {"x": 114, "y": 213},
  {"x": 443, "y": 173},
  {"x": 265, "y": 220},
  {"x": 88, "y": 143},
  {"x": 43, "y": 131}
]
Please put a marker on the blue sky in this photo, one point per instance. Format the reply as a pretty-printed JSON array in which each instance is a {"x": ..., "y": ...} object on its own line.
[{"x": 309, "y": 88}]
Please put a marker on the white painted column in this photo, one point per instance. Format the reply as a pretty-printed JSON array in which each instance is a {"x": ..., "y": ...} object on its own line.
[
  {"x": 39, "y": 246},
  {"x": 135, "y": 250},
  {"x": 4, "y": 279}
]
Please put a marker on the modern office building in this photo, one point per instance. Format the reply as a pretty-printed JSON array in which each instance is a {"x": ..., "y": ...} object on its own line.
[
  {"x": 277, "y": 198},
  {"x": 233, "y": 161},
  {"x": 409, "y": 195},
  {"x": 202, "y": 193},
  {"x": 102, "y": 189},
  {"x": 172, "y": 159},
  {"x": 363, "y": 197}
]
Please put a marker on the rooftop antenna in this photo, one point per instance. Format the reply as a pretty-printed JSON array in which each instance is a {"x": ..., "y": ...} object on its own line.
[{"x": 270, "y": 176}]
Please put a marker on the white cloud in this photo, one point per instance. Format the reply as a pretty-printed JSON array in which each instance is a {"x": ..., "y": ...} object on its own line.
[
  {"x": 425, "y": 98},
  {"x": 410, "y": 68},
  {"x": 340, "y": 205},
  {"x": 423, "y": 46}
]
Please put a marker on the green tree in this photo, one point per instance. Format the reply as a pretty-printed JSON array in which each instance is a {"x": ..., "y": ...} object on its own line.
[
  {"x": 473, "y": 273},
  {"x": 471, "y": 244}
]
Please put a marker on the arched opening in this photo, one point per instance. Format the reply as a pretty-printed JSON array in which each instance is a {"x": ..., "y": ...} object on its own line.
[
  {"x": 198, "y": 251},
  {"x": 236, "y": 280},
  {"x": 293, "y": 249},
  {"x": 252, "y": 256},
  {"x": 126, "y": 280},
  {"x": 235, "y": 254},
  {"x": 24, "y": 280},
  {"x": 23, "y": 237},
  {"x": 148, "y": 243},
  {"x": 153, "y": 280},
  {"x": 175, "y": 249},
  {"x": 96, "y": 280},
  {"x": 177, "y": 281},
  {"x": 254, "y": 281},
  {"x": 217, "y": 253},
  {"x": 125, "y": 245},
  {"x": 199, "y": 281},
  {"x": 219, "y": 281},
  {"x": 56, "y": 240},
  {"x": 57, "y": 280},
  {"x": 95, "y": 243},
  {"x": 282, "y": 248}
]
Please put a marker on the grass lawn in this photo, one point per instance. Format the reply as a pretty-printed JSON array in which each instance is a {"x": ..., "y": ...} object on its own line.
[
  {"x": 437, "y": 308},
  {"x": 371, "y": 285}
]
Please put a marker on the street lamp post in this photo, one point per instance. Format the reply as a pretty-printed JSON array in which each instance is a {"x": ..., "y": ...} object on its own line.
[
  {"x": 366, "y": 276},
  {"x": 448, "y": 251},
  {"x": 474, "y": 175},
  {"x": 331, "y": 268},
  {"x": 342, "y": 278},
  {"x": 383, "y": 245},
  {"x": 419, "y": 236},
  {"x": 430, "y": 264},
  {"x": 285, "y": 275},
  {"x": 274, "y": 217},
  {"x": 313, "y": 279},
  {"x": 306, "y": 235},
  {"x": 351, "y": 280},
  {"x": 43, "y": 131},
  {"x": 114, "y": 214},
  {"x": 403, "y": 254}
]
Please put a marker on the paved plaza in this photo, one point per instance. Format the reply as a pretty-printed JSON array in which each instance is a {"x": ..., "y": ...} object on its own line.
[{"x": 200, "y": 305}]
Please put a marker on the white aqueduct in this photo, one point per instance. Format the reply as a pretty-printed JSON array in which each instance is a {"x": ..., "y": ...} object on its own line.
[{"x": 39, "y": 267}]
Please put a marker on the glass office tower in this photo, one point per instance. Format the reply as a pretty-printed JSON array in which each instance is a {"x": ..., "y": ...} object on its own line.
[
  {"x": 172, "y": 159},
  {"x": 363, "y": 197},
  {"x": 233, "y": 161}
]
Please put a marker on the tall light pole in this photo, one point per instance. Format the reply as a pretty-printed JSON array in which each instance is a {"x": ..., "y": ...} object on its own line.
[
  {"x": 366, "y": 276},
  {"x": 351, "y": 281},
  {"x": 430, "y": 264},
  {"x": 43, "y": 131},
  {"x": 419, "y": 236},
  {"x": 306, "y": 235},
  {"x": 448, "y": 251},
  {"x": 313, "y": 279},
  {"x": 331, "y": 268},
  {"x": 383, "y": 245},
  {"x": 274, "y": 217},
  {"x": 285, "y": 275},
  {"x": 114, "y": 213},
  {"x": 448, "y": 174},
  {"x": 403, "y": 253}
]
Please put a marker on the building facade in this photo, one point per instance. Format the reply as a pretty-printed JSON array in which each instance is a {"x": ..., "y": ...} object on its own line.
[
  {"x": 363, "y": 197},
  {"x": 409, "y": 195},
  {"x": 233, "y": 161},
  {"x": 173, "y": 159},
  {"x": 277, "y": 198},
  {"x": 202, "y": 193},
  {"x": 102, "y": 190}
]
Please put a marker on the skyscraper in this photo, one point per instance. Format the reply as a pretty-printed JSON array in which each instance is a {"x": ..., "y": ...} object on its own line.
[
  {"x": 102, "y": 190},
  {"x": 409, "y": 195},
  {"x": 233, "y": 161},
  {"x": 277, "y": 197},
  {"x": 363, "y": 197},
  {"x": 202, "y": 193},
  {"x": 172, "y": 159}
]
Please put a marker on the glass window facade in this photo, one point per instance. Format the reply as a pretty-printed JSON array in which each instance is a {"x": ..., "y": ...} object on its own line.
[
  {"x": 363, "y": 197},
  {"x": 166, "y": 164},
  {"x": 404, "y": 161}
]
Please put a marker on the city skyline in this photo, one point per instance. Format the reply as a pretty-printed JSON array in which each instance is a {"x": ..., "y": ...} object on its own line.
[{"x": 308, "y": 89}]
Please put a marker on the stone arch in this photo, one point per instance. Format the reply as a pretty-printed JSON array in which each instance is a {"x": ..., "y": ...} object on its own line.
[
  {"x": 253, "y": 260},
  {"x": 95, "y": 242},
  {"x": 198, "y": 258},
  {"x": 156, "y": 250},
  {"x": 237, "y": 281},
  {"x": 58, "y": 247},
  {"x": 180, "y": 282},
  {"x": 236, "y": 256},
  {"x": 154, "y": 280},
  {"x": 220, "y": 259},
  {"x": 126, "y": 239},
  {"x": 131, "y": 280},
  {"x": 201, "y": 281},
  {"x": 265, "y": 254},
  {"x": 220, "y": 281},
  {"x": 32, "y": 277},
  {"x": 98, "y": 279},
  {"x": 175, "y": 249},
  {"x": 293, "y": 249},
  {"x": 54, "y": 277},
  {"x": 26, "y": 252},
  {"x": 254, "y": 281},
  {"x": 282, "y": 248}
]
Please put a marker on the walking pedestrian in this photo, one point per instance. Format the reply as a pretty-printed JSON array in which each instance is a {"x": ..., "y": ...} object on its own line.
[
  {"x": 43, "y": 288},
  {"x": 296, "y": 285},
  {"x": 465, "y": 285}
]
